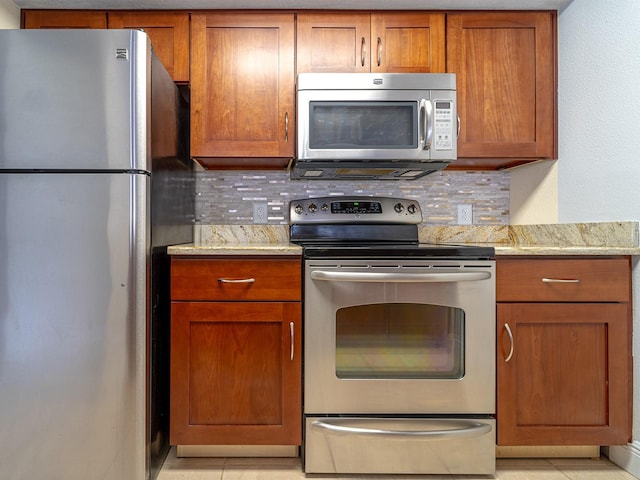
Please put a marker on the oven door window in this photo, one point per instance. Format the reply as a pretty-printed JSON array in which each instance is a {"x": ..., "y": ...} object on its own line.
[
  {"x": 400, "y": 341},
  {"x": 356, "y": 125}
]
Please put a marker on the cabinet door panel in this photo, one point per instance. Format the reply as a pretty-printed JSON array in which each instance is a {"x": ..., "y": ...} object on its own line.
[
  {"x": 567, "y": 382},
  {"x": 505, "y": 67},
  {"x": 242, "y": 77},
  {"x": 169, "y": 34},
  {"x": 407, "y": 42},
  {"x": 332, "y": 42},
  {"x": 236, "y": 373}
]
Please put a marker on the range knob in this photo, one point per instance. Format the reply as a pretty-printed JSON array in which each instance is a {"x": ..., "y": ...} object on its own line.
[
  {"x": 298, "y": 209},
  {"x": 398, "y": 207},
  {"x": 412, "y": 208},
  {"x": 312, "y": 207},
  {"x": 324, "y": 207}
]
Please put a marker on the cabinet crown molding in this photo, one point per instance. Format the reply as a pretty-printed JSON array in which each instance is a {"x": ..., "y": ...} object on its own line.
[{"x": 302, "y": 4}]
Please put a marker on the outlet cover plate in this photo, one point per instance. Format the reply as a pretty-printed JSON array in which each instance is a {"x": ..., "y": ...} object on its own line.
[
  {"x": 260, "y": 213},
  {"x": 465, "y": 214}
]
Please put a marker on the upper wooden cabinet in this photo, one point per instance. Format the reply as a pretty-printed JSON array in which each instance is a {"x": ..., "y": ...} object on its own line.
[
  {"x": 242, "y": 88},
  {"x": 167, "y": 30},
  {"x": 505, "y": 64},
  {"x": 370, "y": 42},
  {"x": 169, "y": 34},
  {"x": 243, "y": 66},
  {"x": 64, "y": 19}
]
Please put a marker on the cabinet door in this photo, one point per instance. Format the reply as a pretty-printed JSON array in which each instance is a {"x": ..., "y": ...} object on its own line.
[
  {"x": 64, "y": 19},
  {"x": 505, "y": 64},
  {"x": 567, "y": 381},
  {"x": 169, "y": 34},
  {"x": 407, "y": 42},
  {"x": 333, "y": 42},
  {"x": 242, "y": 85},
  {"x": 236, "y": 373}
]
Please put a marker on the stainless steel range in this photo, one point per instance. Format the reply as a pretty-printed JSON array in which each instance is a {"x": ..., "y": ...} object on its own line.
[{"x": 399, "y": 350}]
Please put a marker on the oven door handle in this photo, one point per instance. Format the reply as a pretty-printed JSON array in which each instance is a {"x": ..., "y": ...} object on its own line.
[
  {"x": 399, "y": 277},
  {"x": 463, "y": 428}
]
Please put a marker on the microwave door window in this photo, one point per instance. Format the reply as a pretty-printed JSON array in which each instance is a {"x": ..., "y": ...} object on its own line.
[{"x": 358, "y": 125}]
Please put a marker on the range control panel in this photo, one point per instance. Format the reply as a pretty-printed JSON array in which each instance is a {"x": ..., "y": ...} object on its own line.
[{"x": 354, "y": 210}]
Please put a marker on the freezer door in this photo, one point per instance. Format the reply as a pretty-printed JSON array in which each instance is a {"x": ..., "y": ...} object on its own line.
[
  {"x": 72, "y": 326},
  {"x": 73, "y": 99}
]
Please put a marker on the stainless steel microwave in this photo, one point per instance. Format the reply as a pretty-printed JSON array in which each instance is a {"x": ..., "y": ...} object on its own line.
[{"x": 375, "y": 126}]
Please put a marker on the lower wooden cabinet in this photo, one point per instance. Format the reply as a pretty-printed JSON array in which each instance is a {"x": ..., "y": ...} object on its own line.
[
  {"x": 236, "y": 365},
  {"x": 564, "y": 351}
]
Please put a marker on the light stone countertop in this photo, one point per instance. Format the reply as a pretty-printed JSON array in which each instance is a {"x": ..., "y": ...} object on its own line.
[
  {"x": 236, "y": 249},
  {"x": 602, "y": 238}
]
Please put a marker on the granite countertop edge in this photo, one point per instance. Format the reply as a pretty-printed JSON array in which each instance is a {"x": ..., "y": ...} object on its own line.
[
  {"x": 236, "y": 249},
  {"x": 598, "y": 238},
  {"x": 290, "y": 249}
]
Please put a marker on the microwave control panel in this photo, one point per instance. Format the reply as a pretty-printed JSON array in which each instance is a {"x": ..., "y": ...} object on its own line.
[{"x": 443, "y": 132}]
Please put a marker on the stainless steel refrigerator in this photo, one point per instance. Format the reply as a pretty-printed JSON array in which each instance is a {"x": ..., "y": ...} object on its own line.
[{"x": 95, "y": 182}]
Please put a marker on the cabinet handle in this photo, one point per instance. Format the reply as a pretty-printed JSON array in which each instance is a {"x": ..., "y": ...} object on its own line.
[
  {"x": 458, "y": 134},
  {"x": 286, "y": 126},
  {"x": 363, "y": 52},
  {"x": 379, "y": 51},
  {"x": 561, "y": 280},
  {"x": 293, "y": 337},
  {"x": 510, "y": 354},
  {"x": 236, "y": 280}
]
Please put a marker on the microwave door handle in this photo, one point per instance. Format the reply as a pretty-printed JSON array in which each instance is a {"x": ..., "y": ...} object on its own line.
[{"x": 426, "y": 120}]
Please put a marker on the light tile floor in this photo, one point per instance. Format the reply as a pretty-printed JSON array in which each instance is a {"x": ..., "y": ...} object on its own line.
[{"x": 290, "y": 469}]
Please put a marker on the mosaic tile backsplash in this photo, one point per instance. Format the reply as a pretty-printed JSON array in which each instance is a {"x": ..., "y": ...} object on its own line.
[{"x": 226, "y": 197}]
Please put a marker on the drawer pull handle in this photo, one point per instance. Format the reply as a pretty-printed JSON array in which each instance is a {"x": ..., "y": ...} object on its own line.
[
  {"x": 561, "y": 280},
  {"x": 510, "y": 354},
  {"x": 292, "y": 333},
  {"x": 236, "y": 280}
]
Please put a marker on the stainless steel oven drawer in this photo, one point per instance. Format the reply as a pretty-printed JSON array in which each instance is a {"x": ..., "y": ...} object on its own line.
[{"x": 399, "y": 445}]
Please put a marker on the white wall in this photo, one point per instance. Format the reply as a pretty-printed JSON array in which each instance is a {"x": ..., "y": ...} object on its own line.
[
  {"x": 533, "y": 195},
  {"x": 9, "y": 14},
  {"x": 599, "y": 111},
  {"x": 599, "y": 134}
]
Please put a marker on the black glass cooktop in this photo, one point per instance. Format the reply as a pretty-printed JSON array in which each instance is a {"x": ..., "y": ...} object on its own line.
[{"x": 376, "y": 241}]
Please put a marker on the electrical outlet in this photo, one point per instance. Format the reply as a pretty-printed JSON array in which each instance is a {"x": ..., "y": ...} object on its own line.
[
  {"x": 465, "y": 214},
  {"x": 260, "y": 213}
]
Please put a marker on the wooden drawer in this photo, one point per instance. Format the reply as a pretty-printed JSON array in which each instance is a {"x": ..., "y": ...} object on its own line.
[
  {"x": 242, "y": 279},
  {"x": 590, "y": 279}
]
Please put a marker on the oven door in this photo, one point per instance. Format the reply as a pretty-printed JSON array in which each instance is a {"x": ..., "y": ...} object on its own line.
[{"x": 399, "y": 337}]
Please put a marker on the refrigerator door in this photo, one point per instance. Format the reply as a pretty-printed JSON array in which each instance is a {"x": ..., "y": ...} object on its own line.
[
  {"x": 72, "y": 325},
  {"x": 73, "y": 99}
]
